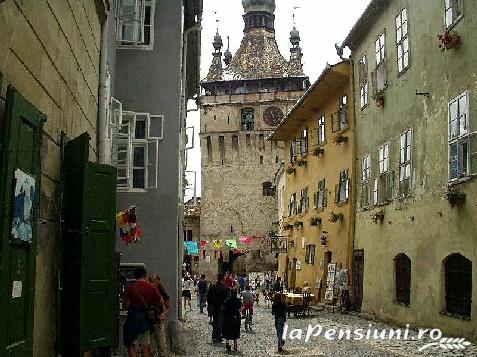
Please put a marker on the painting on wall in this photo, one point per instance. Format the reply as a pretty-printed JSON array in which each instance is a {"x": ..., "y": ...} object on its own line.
[{"x": 23, "y": 202}]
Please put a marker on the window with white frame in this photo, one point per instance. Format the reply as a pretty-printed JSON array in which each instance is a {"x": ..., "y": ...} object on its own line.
[
  {"x": 453, "y": 11},
  {"x": 292, "y": 206},
  {"x": 380, "y": 48},
  {"x": 304, "y": 141},
  {"x": 135, "y": 23},
  {"x": 320, "y": 195},
  {"x": 321, "y": 129},
  {"x": 342, "y": 189},
  {"x": 310, "y": 254},
  {"x": 462, "y": 141},
  {"x": 384, "y": 158},
  {"x": 405, "y": 162},
  {"x": 363, "y": 81},
  {"x": 294, "y": 149},
  {"x": 365, "y": 177},
  {"x": 380, "y": 75},
  {"x": 304, "y": 200},
  {"x": 402, "y": 40},
  {"x": 135, "y": 145}
]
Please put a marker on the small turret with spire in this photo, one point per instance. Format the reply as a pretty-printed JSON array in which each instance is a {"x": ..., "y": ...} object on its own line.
[
  {"x": 216, "y": 70},
  {"x": 227, "y": 54},
  {"x": 295, "y": 67}
]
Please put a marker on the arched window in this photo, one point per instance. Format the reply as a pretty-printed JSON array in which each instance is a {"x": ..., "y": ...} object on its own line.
[
  {"x": 247, "y": 119},
  {"x": 402, "y": 265},
  {"x": 458, "y": 281}
]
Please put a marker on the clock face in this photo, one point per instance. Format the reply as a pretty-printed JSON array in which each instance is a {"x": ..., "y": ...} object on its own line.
[{"x": 272, "y": 116}]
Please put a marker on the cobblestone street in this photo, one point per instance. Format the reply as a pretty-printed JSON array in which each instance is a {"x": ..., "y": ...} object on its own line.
[{"x": 262, "y": 341}]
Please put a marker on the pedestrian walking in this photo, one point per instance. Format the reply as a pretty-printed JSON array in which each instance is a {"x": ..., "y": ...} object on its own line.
[
  {"x": 279, "y": 310},
  {"x": 187, "y": 286},
  {"x": 247, "y": 298},
  {"x": 216, "y": 297},
  {"x": 158, "y": 327},
  {"x": 210, "y": 307},
  {"x": 202, "y": 288},
  {"x": 277, "y": 287},
  {"x": 137, "y": 328},
  {"x": 232, "y": 318},
  {"x": 241, "y": 282},
  {"x": 228, "y": 281}
]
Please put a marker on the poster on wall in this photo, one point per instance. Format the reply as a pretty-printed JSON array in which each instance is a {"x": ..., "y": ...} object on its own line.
[
  {"x": 298, "y": 265},
  {"x": 23, "y": 202},
  {"x": 330, "y": 282}
]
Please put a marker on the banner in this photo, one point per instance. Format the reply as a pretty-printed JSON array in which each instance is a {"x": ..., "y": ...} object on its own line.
[
  {"x": 232, "y": 243},
  {"x": 191, "y": 247},
  {"x": 218, "y": 243},
  {"x": 203, "y": 243},
  {"x": 246, "y": 240}
]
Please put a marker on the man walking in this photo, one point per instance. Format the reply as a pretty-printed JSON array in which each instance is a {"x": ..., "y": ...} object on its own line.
[
  {"x": 202, "y": 286},
  {"x": 216, "y": 297}
]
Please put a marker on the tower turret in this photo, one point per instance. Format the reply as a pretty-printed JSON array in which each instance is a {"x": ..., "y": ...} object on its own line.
[
  {"x": 216, "y": 70},
  {"x": 295, "y": 67}
]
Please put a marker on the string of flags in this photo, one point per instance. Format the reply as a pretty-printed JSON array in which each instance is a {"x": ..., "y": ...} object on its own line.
[
  {"x": 126, "y": 222},
  {"x": 218, "y": 248}
]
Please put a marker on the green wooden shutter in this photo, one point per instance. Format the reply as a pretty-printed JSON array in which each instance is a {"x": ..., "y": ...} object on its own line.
[
  {"x": 89, "y": 284},
  {"x": 21, "y": 150}
]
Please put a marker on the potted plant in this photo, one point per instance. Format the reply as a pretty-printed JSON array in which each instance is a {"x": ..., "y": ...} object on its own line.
[
  {"x": 378, "y": 97},
  {"x": 298, "y": 224},
  {"x": 315, "y": 221},
  {"x": 454, "y": 195},
  {"x": 324, "y": 241},
  {"x": 340, "y": 139},
  {"x": 290, "y": 169},
  {"x": 318, "y": 151},
  {"x": 335, "y": 217},
  {"x": 378, "y": 216},
  {"x": 301, "y": 161},
  {"x": 449, "y": 40},
  {"x": 288, "y": 227}
]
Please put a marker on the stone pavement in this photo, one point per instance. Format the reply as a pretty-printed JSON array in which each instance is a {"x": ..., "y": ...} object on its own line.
[{"x": 262, "y": 341}]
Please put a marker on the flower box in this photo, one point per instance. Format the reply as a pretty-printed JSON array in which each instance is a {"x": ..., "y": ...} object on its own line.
[
  {"x": 298, "y": 224},
  {"x": 318, "y": 151},
  {"x": 378, "y": 216},
  {"x": 291, "y": 170},
  {"x": 379, "y": 97},
  {"x": 301, "y": 161},
  {"x": 454, "y": 195},
  {"x": 340, "y": 139},
  {"x": 449, "y": 40},
  {"x": 335, "y": 217},
  {"x": 315, "y": 221}
]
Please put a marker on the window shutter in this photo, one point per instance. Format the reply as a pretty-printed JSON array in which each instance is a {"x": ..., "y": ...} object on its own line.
[
  {"x": 473, "y": 153},
  {"x": 152, "y": 159},
  {"x": 130, "y": 16},
  {"x": 325, "y": 197},
  {"x": 376, "y": 191},
  {"x": 156, "y": 127},
  {"x": 337, "y": 193}
]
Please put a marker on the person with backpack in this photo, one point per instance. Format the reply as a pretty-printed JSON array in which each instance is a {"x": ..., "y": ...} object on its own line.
[
  {"x": 215, "y": 298},
  {"x": 139, "y": 296}
]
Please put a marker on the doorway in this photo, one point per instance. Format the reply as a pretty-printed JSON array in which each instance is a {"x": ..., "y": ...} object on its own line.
[
  {"x": 358, "y": 270},
  {"x": 292, "y": 281},
  {"x": 326, "y": 260}
]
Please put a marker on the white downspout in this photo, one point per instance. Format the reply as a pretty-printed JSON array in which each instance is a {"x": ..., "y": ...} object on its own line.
[{"x": 104, "y": 155}]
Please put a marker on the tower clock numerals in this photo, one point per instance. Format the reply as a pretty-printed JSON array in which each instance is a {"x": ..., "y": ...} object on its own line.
[{"x": 272, "y": 116}]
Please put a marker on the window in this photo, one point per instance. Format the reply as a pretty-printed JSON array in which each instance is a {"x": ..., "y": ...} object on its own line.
[
  {"x": 320, "y": 195},
  {"x": 261, "y": 142},
  {"x": 209, "y": 149},
  {"x": 261, "y": 159},
  {"x": 135, "y": 147},
  {"x": 384, "y": 159},
  {"x": 235, "y": 142},
  {"x": 294, "y": 148},
  {"x": 342, "y": 189},
  {"x": 380, "y": 45},
  {"x": 462, "y": 149},
  {"x": 365, "y": 177},
  {"x": 458, "y": 285},
  {"x": 379, "y": 75},
  {"x": 405, "y": 163},
  {"x": 321, "y": 129},
  {"x": 247, "y": 140},
  {"x": 363, "y": 81},
  {"x": 304, "y": 200},
  {"x": 268, "y": 189},
  {"x": 247, "y": 119},
  {"x": 222, "y": 149},
  {"x": 339, "y": 120},
  {"x": 453, "y": 11},
  {"x": 292, "y": 207},
  {"x": 310, "y": 254},
  {"x": 402, "y": 265},
  {"x": 402, "y": 41},
  {"x": 135, "y": 23},
  {"x": 304, "y": 141}
]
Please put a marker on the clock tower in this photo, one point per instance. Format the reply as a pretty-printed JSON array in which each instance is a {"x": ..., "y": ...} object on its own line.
[{"x": 246, "y": 95}]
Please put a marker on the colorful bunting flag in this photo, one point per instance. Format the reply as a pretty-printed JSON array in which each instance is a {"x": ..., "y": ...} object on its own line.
[
  {"x": 246, "y": 240},
  {"x": 203, "y": 243},
  {"x": 191, "y": 247},
  {"x": 232, "y": 243},
  {"x": 218, "y": 243}
]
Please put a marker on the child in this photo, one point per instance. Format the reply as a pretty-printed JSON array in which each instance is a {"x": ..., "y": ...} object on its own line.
[{"x": 279, "y": 310}]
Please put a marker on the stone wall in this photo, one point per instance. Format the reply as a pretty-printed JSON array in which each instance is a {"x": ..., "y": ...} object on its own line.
[{"x": 49, "y": 51}]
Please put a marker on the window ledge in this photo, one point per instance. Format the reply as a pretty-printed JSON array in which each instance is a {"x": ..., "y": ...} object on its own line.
[
  {"x": 319, "y": 209},
  {"x": 382, "y": 204},
  {"x": 365, "y": 209},
  {"x": 454, "y": 315},
  {"x": 403, "y": 197},
  {"x": 135, "y": 47},
  {"x": 401, "y": 303},
  {"x": 132, "y": 190},
  {"x": 461, "y": 180},
  {"x": 341, "y": 203},
  {"x": 452, "y": 25},
  {"x": 399, "y": 74}
]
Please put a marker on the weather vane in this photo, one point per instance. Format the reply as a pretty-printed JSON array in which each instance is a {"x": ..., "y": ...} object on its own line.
[{"x": 294, "y": 8}]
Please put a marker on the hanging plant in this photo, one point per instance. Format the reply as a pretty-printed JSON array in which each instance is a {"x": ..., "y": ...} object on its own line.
[
  {"x": 288, "y": 227},
  {"x": 449, "y": 40},
  {"x": 378, "y": 216},
  {"x": 315, "y": 221},
  {"x": 454, "y": 195},
  {"x": 318, "y": 151},
  {"x": 379, "y": 97},
  {"x": 291, "y": 169},
  {"x": 340, "y": 139},
  {"x": 298, "y": 224},
  {"x": 301, "y": 161},
  {"x": 335, "y": 217},
  {"x": 324, "y": 241}
]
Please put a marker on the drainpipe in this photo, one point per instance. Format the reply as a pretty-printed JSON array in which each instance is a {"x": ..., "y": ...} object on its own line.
[{"x": 102, "y": 110}]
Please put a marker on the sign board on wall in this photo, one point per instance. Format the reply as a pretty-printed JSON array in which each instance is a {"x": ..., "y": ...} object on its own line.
[{"x": 330, "y": 282}]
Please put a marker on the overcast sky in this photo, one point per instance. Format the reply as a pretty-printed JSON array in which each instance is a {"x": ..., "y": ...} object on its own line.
[{"x": 321, "y": 23}]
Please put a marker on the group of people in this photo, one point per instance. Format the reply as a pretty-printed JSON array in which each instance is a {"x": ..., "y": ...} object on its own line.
[{"x": 148, "y": 304}]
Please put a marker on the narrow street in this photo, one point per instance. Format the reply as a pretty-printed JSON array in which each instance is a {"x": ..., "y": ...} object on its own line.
[{"x": 262, "y": 341}]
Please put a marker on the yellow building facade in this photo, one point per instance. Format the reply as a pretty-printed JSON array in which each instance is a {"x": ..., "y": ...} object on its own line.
[{"x": 318, "y": 198}]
